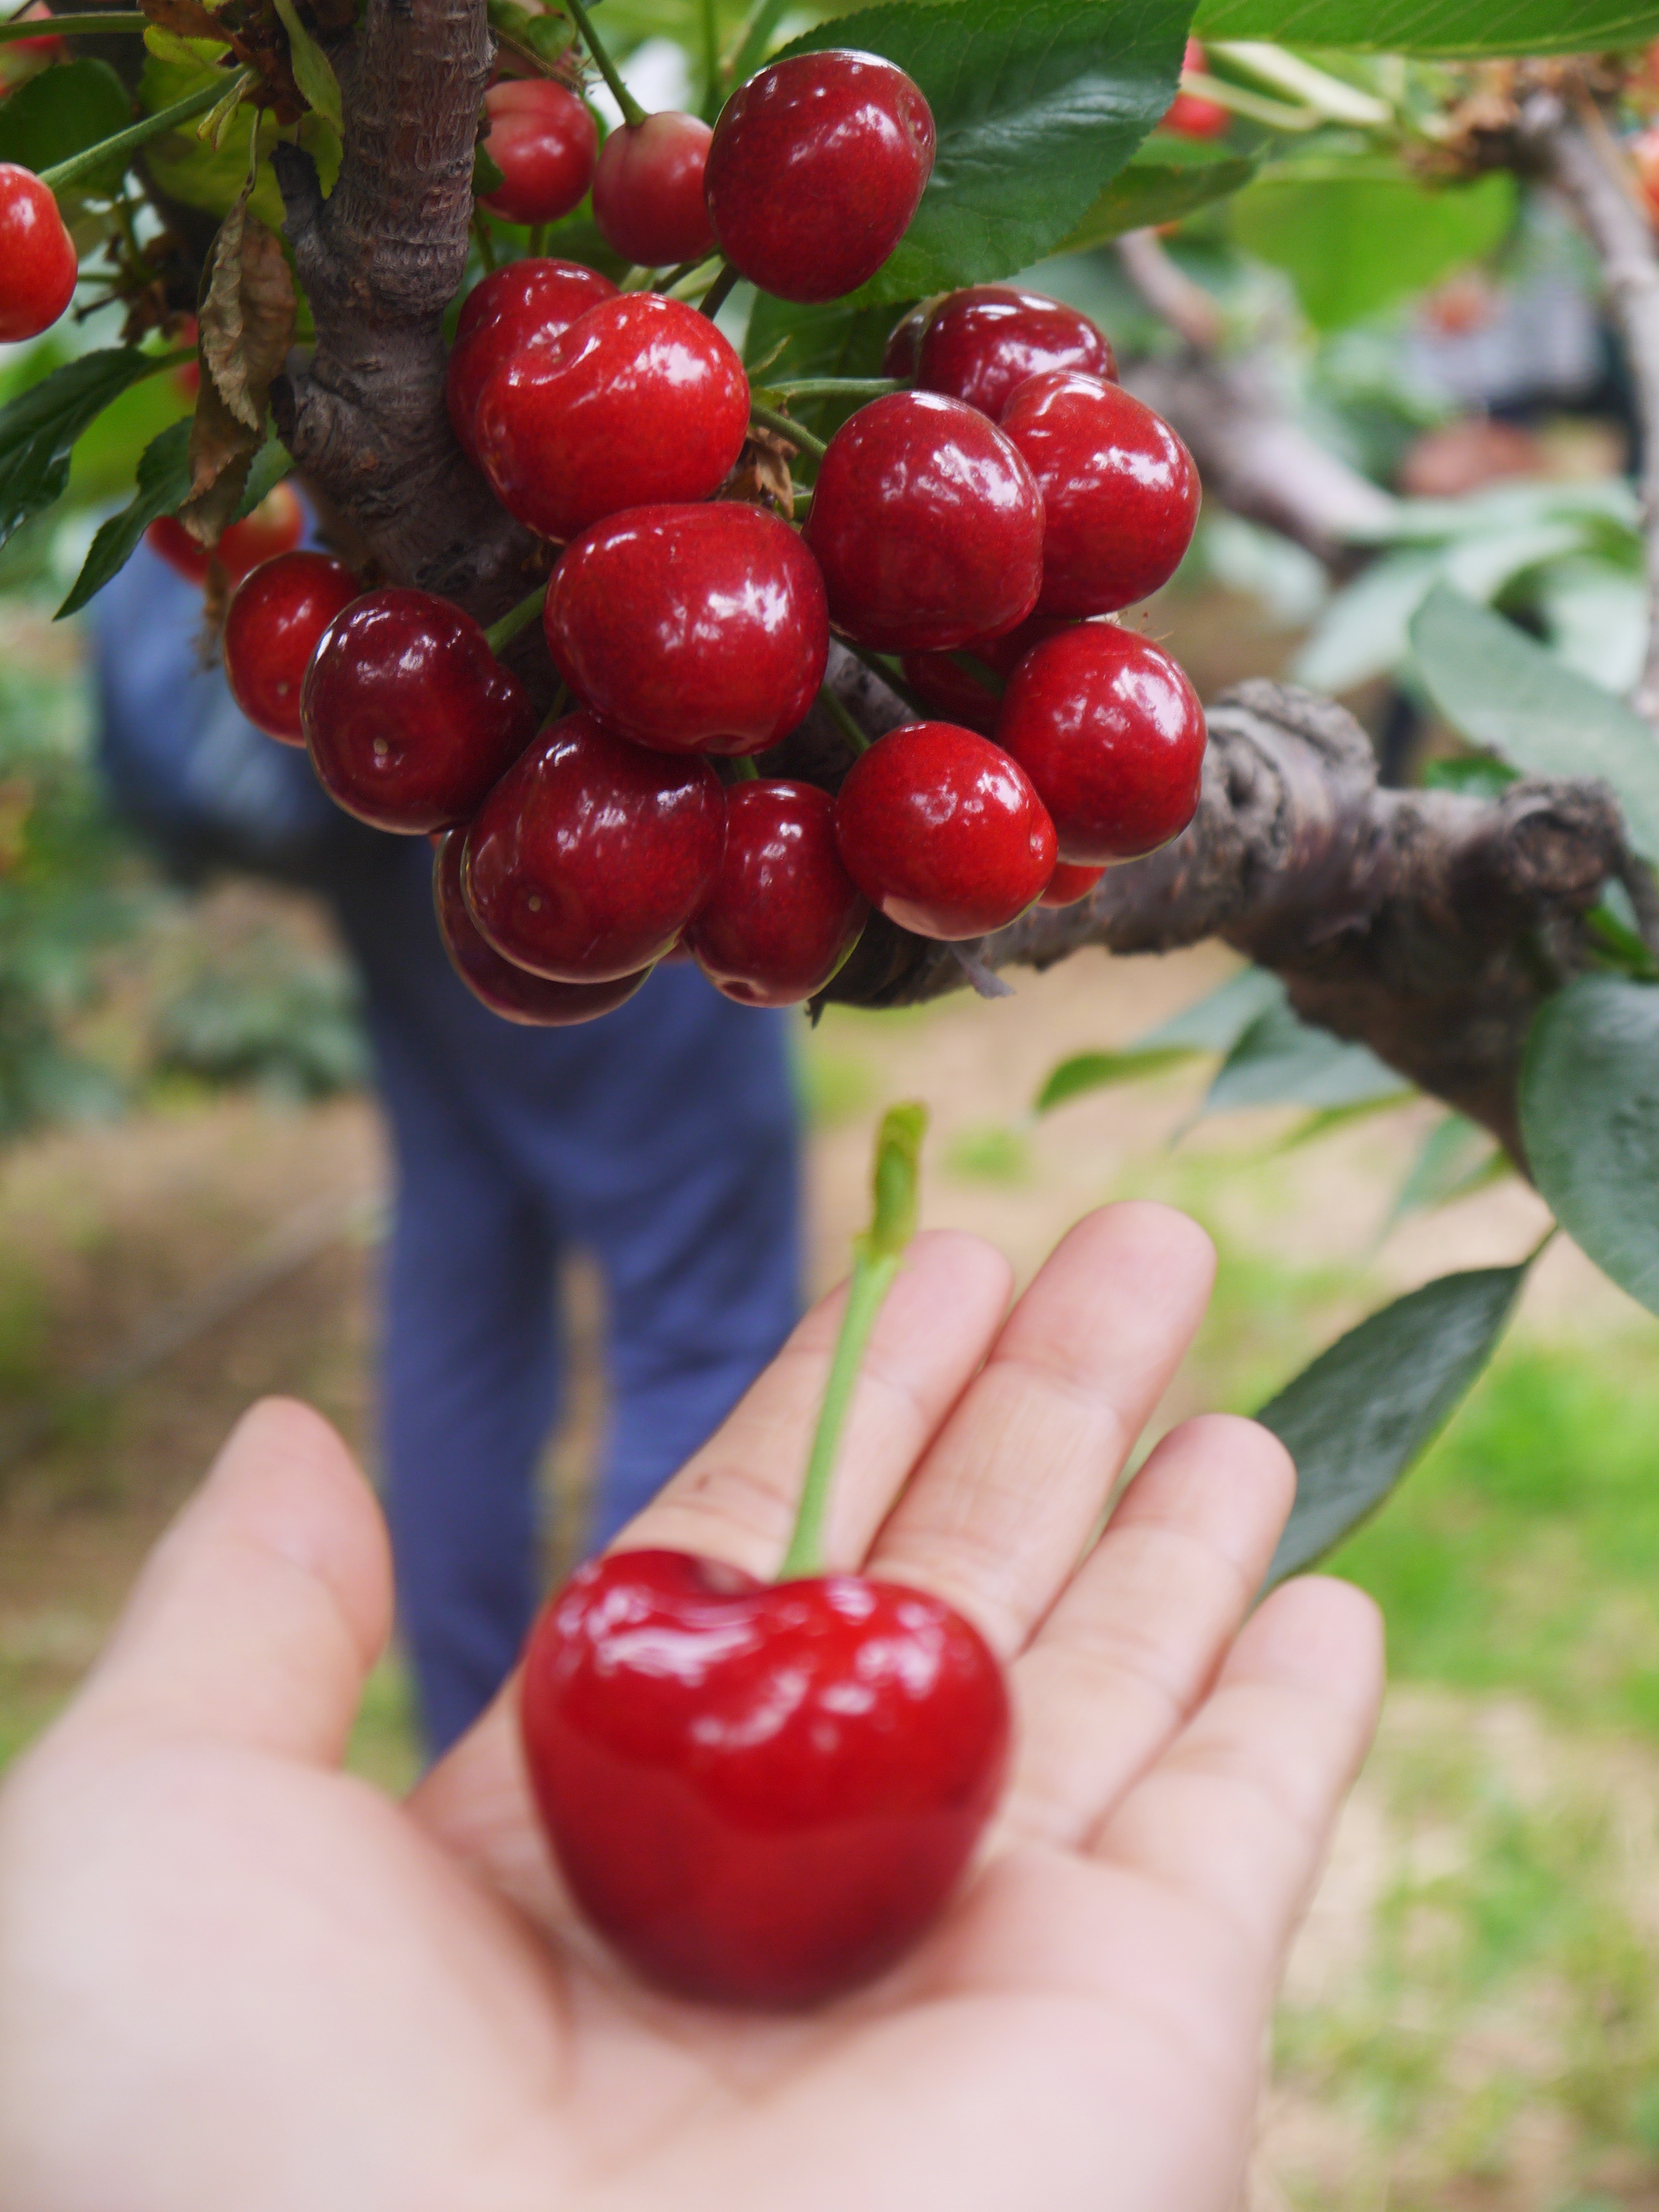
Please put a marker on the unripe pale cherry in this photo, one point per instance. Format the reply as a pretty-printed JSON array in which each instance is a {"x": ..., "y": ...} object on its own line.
[
  {"x": 641, "y": 400},
  {"x": 408, "y": 716},
  {"x": 591, "y": 854},
  {"x": 978, "y": 345},
  {"x": 693, "y": 628},
  {"x": 1120, "y": 490},
  {"x": 647, "y": 190},
  {"x": 1112, "y": 734},
  {"x": 927, "y": 525},
  {"x": 816, "y": 166},
  {"x": 943, "y": 831},
  {"x": 276, "y": 525},
  {"x": 272, "y": 626},
  {"x": 783, "y": 912},
  {"x": 38, "y": 262},
  {"x": 545, "y": 142},
  {"x": 537, "y": 297},
  {"x": 533, "y": 1001}
]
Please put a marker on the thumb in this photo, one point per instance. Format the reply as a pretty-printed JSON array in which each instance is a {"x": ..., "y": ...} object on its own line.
[{"x": 260, "y": 1612}]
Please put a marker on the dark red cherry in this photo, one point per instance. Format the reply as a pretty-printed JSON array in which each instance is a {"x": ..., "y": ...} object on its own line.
[
  {"x": 276, "y": 525},
  {"x": 978, "y": 345},
  {"x": 647, "y": 190},
  {"x": 534, "y": 1002},
  {"x": 942, "y": 831},
  {"x": 545, "y": 142},
  {"x": 1069, "y": 883},
  {"x": 533, "y": 298},
  {"x": 759, "y": 1794},
  {"x": 1120, "y": 490},
  {"x": 927, "y": 525},
  {"x": 1189, "y": 115},
  {"x": 408, "y": 715},
  {"x": 903, "y": 350},
  {"x": 974, "y": 698},
  {"x": 1111, "y": 733},
  {"x": 783, "y": 913},
  {"x": 696, "y": 630},
  {"x": 816, "y": 166},
  {"x": 641, "y": 400},
  {"x": 591, "y": 854},
  {"x": 38, "y": 262},
  {"x": 272, "y": 626}
]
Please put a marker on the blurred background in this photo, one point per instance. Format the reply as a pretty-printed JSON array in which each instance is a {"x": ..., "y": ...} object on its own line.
[{"x": 192, "y": 1187}]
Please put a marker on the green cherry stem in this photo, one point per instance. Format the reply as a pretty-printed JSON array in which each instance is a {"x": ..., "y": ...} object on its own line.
[
  {"x": 93, "y": 158},
  {"x": 744, "y": 769},
  {"x": 876, "y": 1256},
  {"x": 719, "y": 292},
  {"x": 72, "y": 27},
  {"x": 515, "y": 619},
  {"x": 984, "y": 676},
  {"x": 632, "y": 111},
  {"x": 843, "y": 720},
  {"x": 835, "y": 387},
  {"x": 770, "y": 419}
]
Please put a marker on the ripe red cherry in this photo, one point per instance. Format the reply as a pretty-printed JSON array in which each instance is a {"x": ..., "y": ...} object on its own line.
[
  {"x": 1068, "y": 884},
  {"x": 1111, "y": 733},
  {"x": 533, "y": 298},
  {"x": 903, "y": 350},
  {"x": 533, "y": 1001},
  {"x": 408, "y": 715},
  {"x": 978, "y": 345},
  {"x": 272, "y": 626},
  {"x": 1188, "y": 114},
  {"x": 927, "y": 525},
  {"x": 276, "y": 525},
  {"x": 816, "y": 166},
  {"x": 942, "y": 831},
  {"x": 591, "y": 854},
  {"x": 37, "y": 261},
  {"x": 692, "y": 629},
  {"x": 545, "y": 142},
  {"x": 957, "y": 694},
  {"x": 641, "y": 400},
  {"x": 647, "y": 190},
  {"x": 1120, "y": 490},
  {"x": 760, "y": 1793},
  {"x": 783, "y": 913}
]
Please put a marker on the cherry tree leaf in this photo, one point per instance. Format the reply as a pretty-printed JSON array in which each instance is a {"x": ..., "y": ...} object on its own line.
[
  {"x": 62, "y": 112},
  {"x": 162, "y": 489},
  {"x": 39, "y": 426},
  {"x": 1436, "y": 27},
  {"x": 246, "y": 324},
  {"x": 313, "y": 72}
]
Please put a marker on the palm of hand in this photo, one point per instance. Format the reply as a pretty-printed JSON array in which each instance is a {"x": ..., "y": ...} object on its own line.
[{"x": 265, "y": 1984}]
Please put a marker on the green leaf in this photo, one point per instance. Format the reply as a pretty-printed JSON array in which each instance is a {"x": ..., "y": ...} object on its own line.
[
  {"x": 1281, "y": 1060},
  {"x": 191, "y": 170},
  {"x": 1500, "y": 689},
  {"x": 1477, "y": 775},
  {"x": 163, "y": 487},
  {"x": 1458, "y": 1156},
  {"x": 1589, "y": 1120},
  {"x": 63, "y": 111},
  {"x": 1149, "y": 192},
  {"x": 835, "y": 339},
  {"x": 1353, "y": 245},
  {"x": 1216, "y": 1022},
  {"x": 1093, "y": 1071},
  {"x": 38, "y": 427},
  {"x": 313, "y": 72},
  {"x": 1435, "y": 26},
  {"x": 270, "y": 465},
  {"x": 1357, "y": 1418},
  {"x": 1038, "y": 104}
]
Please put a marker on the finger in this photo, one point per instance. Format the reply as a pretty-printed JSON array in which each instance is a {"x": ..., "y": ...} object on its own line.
[
  {"x": 999, "y": 1512},
  {"x": 735, "y": 1499},
  {"x": 262, "y": 1609},
  {"x": 1238, "y": 1813},
  {"x": 1133, "y": 1644}
]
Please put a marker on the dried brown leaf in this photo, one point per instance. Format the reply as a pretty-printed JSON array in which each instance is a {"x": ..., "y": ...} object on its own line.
[
  {"x": 185, "y": 19},
  {"x": 762, "y": 474},
  {"x": 246, "y": 324}
]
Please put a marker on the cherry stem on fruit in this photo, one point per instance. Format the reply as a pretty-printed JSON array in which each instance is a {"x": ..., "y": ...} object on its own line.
[
  {"x": 93, "y": 158},
  {"x": 983, "y": 675},
  {"x": 538, "y": 239},
  {"x": 843, "y": 721},
  {"x": 82, "y": 27},
  {"x": 632, "y": 113},
  {"x": 719, "y": 292},
  {"x": 836, "y": 388},
  {"x": 744, "y": 769},
  {"x": 694, "y": 283},
  {"x": 770, "y": 419},
  {"x": 515, "y": 619},
  {"x": 876, "y": 1260}
]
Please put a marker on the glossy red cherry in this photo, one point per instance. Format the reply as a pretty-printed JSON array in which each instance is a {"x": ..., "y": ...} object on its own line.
[
  {"x": 903, "y": 350},
  {"x": 957, "y": 694},
  {"x": 1120, "y": 490},
  {"x": 591, "y": 854},
  {"x": 760, "y": 1793},
  {"x": 696, "y": 630},
  {"x": 816, "y": 166},
  {"x": 641, "y": 400},
  {"x": 537, "y": 297},
  {"x": 783, "y": 913},
  {"x": 978, "y": 345},
  {"x": 276, "y": 525},
  {"x": 1111, "y": 733},
  {"x": 38, "y": 262},
  {"x": 647, "y": 190},
  {"x": 927, "y": 525},
  {"x": 533, "y": 1001},
  {"x": 1189, "y": 115},
  {"x": 272, "y": 626},
  {"x": 1069, "y": 883},
  {"x": 942, "y": 831},
  {"x": 408, "y": 715},
  {"x": 545, "y": 142}
]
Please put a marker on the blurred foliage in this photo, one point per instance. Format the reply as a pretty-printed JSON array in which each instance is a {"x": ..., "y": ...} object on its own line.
[{"x": 264, "y": 1013}]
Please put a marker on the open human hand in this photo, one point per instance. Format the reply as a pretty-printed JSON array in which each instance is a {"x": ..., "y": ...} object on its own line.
[{"x": 233, "y": 1976}]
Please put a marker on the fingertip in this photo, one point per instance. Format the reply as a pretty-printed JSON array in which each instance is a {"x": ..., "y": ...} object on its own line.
[
  {"x": 1320, "y": 1632},
  {"x": 1223, "y": 1474}
]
